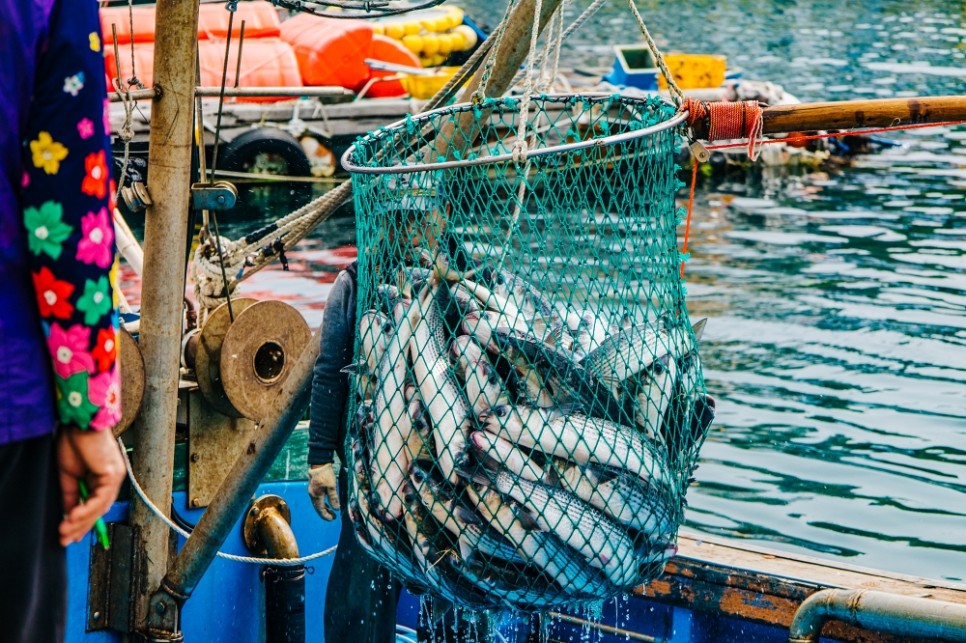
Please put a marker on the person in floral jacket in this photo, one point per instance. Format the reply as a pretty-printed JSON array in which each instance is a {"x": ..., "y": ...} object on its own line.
[{"x": 59, "y": 380}]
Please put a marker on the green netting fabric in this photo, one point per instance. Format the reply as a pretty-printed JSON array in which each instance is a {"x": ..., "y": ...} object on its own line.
[{"x": 528, "y": 392}]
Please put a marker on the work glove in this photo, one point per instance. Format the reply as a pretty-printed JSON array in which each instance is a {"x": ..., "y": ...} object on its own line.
[{"x": 321, "y": 488}]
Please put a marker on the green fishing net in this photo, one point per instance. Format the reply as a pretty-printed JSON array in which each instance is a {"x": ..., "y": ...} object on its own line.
[{"x": 527, "y": 399}]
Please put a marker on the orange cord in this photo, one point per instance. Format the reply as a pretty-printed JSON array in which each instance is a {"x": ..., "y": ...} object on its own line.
[
  {"x": 728, "y": 120},
  {"x": 687, "y": 225},
  {"x": 801, "y": 138}
]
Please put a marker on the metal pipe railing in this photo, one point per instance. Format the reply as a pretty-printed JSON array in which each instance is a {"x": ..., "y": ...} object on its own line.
[{"x": 894, "y": 614}]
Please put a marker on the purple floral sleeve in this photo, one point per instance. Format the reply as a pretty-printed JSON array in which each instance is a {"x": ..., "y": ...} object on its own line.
[{"x": 67, "y": 197}]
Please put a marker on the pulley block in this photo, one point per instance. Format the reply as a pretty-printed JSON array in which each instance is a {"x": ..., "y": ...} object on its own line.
[{"x": 257, "y": 354}]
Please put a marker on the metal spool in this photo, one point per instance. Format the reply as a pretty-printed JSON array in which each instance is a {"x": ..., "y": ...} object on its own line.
[
  {"x": 208, "y": 355},
  {"x": 132, "y": 380},
  {"x": 258, "y": 352}
]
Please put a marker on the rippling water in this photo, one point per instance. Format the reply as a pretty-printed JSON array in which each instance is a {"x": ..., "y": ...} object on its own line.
[{"x": 836, "y": 341}]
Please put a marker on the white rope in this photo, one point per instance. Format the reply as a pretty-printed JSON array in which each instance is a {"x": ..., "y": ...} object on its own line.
[
  {"x": 206, "y": 271},
  {"x": 281, "y": 562},
  {"x": 676, "y": 94},
  {"x": 497, "y": 37},
  {"x": 550, "y": 63},
  {"x": 574, "y": 26}
]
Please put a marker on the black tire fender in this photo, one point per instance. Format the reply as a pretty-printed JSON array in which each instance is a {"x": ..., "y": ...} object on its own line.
[{"x": 240, "y": 152}]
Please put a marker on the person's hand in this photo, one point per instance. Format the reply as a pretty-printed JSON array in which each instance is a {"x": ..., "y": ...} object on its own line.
[
  {"x": 322, "y": 488},
  {"x": 96, "y": 457}
]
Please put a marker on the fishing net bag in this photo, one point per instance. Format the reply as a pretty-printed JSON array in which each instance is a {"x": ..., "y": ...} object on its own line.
[{"x": 527, "y": 396}]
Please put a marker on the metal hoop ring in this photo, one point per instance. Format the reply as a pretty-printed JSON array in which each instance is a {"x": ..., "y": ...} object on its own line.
[{"x": 351, "y": 166}]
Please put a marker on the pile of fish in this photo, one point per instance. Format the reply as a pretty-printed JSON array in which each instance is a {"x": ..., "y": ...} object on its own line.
[{"x": 508, "y": 451}]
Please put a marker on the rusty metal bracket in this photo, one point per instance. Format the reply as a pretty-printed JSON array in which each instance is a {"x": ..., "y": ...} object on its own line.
[
  {"x": 220, "y": 195},
  {"x": 214, "y": 443},
  {"x": 108, "y": 591}
]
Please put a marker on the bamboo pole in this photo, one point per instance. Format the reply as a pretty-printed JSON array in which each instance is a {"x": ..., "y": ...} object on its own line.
[
  {"x": 885, "y": 112},
  {"x": 855, "y": 114},
  {"x": 166, "y": 228}
]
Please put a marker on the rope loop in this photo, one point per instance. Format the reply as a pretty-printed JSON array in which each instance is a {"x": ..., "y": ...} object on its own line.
[{"x": 728, "y": 121}]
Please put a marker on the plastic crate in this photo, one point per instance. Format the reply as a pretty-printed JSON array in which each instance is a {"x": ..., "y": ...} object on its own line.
[{"x": 694, "y": 71}]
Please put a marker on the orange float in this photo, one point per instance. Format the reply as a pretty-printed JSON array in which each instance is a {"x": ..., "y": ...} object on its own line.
[
  {"x": 385, "y": 49},
  {"x": 118, "y": 18},
  {"x": 330, "y": 51},
  {"x": 266, "y": 62},
  {"x": 260, "y": 18}
]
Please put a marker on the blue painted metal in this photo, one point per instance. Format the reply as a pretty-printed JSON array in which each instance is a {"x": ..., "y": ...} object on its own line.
[{"x": 228, "y": 604}]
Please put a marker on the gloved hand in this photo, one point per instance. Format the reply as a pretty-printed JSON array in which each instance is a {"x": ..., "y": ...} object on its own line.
[{"x": 322, "y": 487}]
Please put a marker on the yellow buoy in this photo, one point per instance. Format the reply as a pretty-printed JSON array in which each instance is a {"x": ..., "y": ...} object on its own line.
[
  {"x": 412, "y": 28},
  {"x": 413, "y": 43},
  {"x": 455, "y": 15},
  {"x": 378, "y": 28},
  {"x": 445, "y": 43},
  {"x": 433, "y": 43},
  {"x": 395, "y": 30},
  {"x": 469, "y": 37}
]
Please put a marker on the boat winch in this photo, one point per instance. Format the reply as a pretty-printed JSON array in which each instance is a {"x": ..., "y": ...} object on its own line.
[
  {"x": 241, "y": 357},
  {"x": 240, "y": 362}
]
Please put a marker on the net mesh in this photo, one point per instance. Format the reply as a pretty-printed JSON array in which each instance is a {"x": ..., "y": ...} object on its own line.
[{"x": 528, "y": 396}]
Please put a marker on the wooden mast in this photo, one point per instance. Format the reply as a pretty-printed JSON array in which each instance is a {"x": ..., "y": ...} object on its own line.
[{"x": 163, "y": 286}]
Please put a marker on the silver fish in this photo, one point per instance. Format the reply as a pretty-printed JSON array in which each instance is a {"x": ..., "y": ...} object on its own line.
[
  {"x": 632, "y": 350},
  {"x": 521, "y": 530},
  {"x": 506, "y": 592},
  {"x": 484, "y": 389},
  {"x": 523, "y": 295},
  {"x": 375, "y": 330},
  {"x": 438, "y": 500},
  {"x": 568, "y": 570},
  {"x": 653, "y": 390},
  {"x": 563, "y": 373},
  {"x": 643, "y": 505},
  {"x": 448, "y": 410},
  {"x": 476, "y": 539},
  {"x": 506, "y": 454},
  {"x": 465, "y": 351},
  {"x": 587, "y": 530},
  {"x": 393, "y": 425},
  {"x": 419, "y": 439},
  {"x": 494, "y": 302},
  {"x": 528, "y": 381},
  {"x": 580, "y": 439}
]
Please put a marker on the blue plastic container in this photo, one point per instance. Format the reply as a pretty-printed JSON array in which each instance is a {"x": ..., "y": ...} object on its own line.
[{"x": 634, "y": 66}]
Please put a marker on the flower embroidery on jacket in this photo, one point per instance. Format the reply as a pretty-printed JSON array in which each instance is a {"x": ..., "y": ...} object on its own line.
[
  {"x": 74, "y": 84},
  {"x": 97, "y": 243},
  {"x": 69, "y": 348},
  {"x": 73, "y": 401},
  {"x": 46, "y": 228},
  {"x": 105, "y": 351},
  {"x": 52, "y": 294},
  {"x": 95, "y": 183},
  {"x": 85, "y": 128},
  {"x": 95, "y": 302},
  {"x": 95, "y": 41},
  {"x": 105, "y": 392},
  {"x": 47, "y": 153}
]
